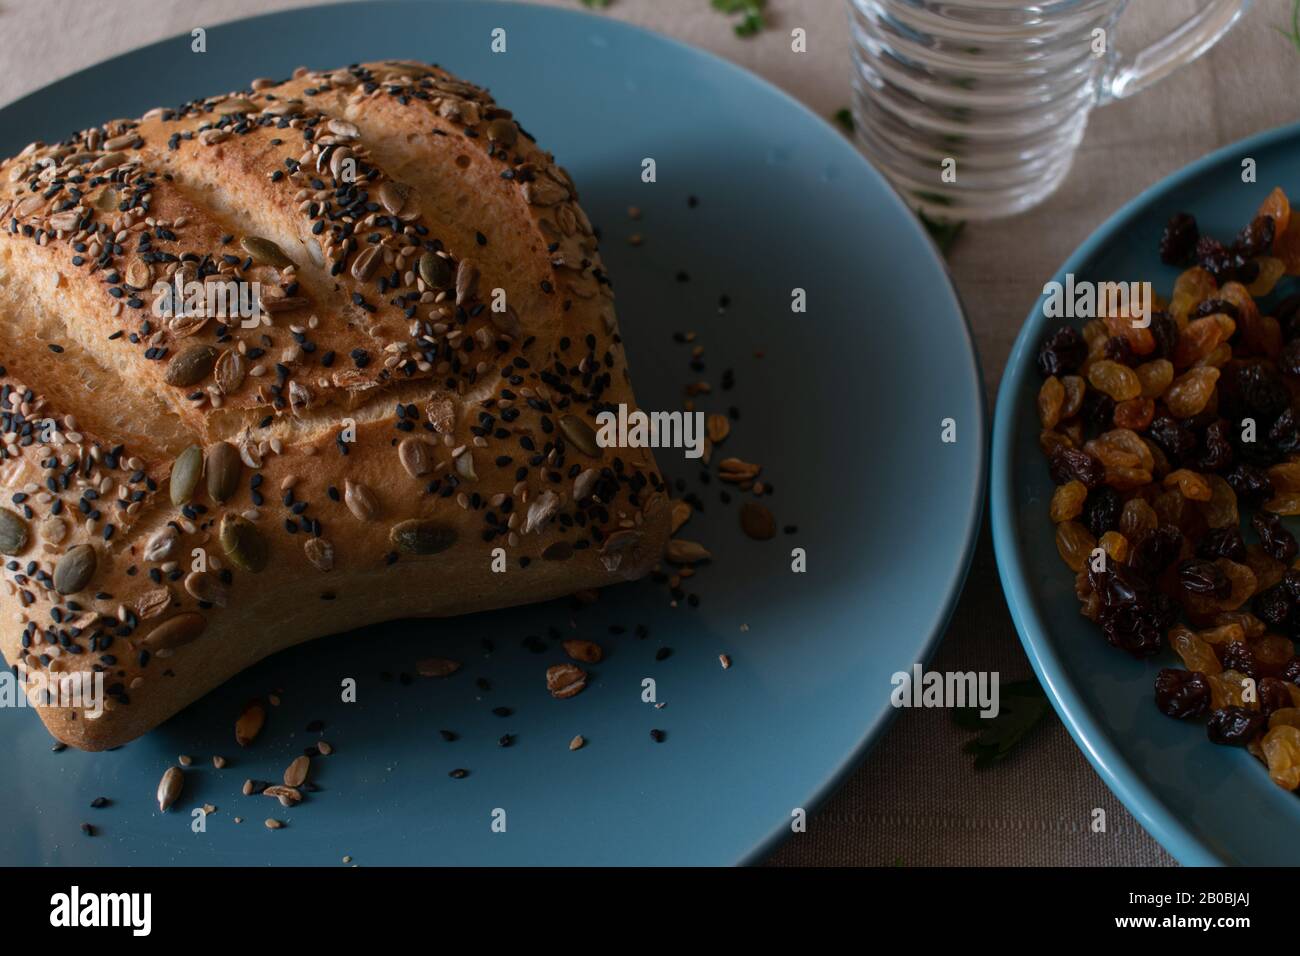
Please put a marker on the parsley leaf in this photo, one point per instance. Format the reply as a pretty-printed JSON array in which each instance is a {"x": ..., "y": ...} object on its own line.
[
  {"x": 596, "y": 4},
  {"x": 1021, "y": 706},
  {"x": 844, "y": 116},
  {"x": 751, "y": 21}
]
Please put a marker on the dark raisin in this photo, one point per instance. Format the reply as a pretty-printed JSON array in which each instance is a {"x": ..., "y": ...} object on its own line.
[
  {"x": 1284, "y": 433},
  {"x": 1178, "y": 242},
  {"x": 1274, "y": 605},
  {"x": 1176, "y": 440},
  {"x": 1255, "y": 239},
  {"x": 1222, "y": 543},
  {"x": 1273, "y": 695},
  {"x": 1062, "y": 353},
  {"x": 1216, "y": 446},
  {"x": 1291, "y": 581},
  {"x": 1289, "y": 362},
  {"x": 1133, "y": 629},
  {"x": 1237, "y": 656},
  {"x": 1119, "y": 586},
  {"x": 1261, "y": 389},
  {"x": 1198, "y": 576},
  {"x": 1182, "y": 694},
  {"x": 1072, "y": 464},
  {"x": 1098, "y": 411},
  {"x": 1252, "y": 484},
  {"x": 1235, "y": 726},
  {"x": 1215, "y": 259},
  {"x": 1165, "y": 332},
  {"x": 1287, "y": 311},
  {"x": 1213, "y": 306},
  {"x": 1156, "y": 551},
  {"x": 1277, "y": 541},
  {"x": 1102, "y": 509},
  {"x": 1117, "y": 349},
  {"x": 1291, "y": 671},
  {"x": 1247, "y": 269}
]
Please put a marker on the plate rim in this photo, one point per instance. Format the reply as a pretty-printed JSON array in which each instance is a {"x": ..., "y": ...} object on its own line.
[
  {"x": 1189, "y": 845},
  {"x": 933, "y": 261}
]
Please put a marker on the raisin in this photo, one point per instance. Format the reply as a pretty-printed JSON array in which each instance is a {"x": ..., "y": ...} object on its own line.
[
  {"x": 1118, "y": 350},
  {"x": 1164, "y": 331},
  {"x": 1174, "y": 438},
  {"x": 1182, "y": 694},
  {"x": 1273, "y": 695},
  {"x": 1214, "y": 307},
  {"x": 1222, "y": 543},
  {"x": 1102, "y": 509},
  {"x": 1216, "y": 446},
  {"x": 1289, "y": 362},
  {"x": 1178, "y": 241},
  {"x": 1119, "y": 586},
  {"x": 1291, "y": 671},
  {"x": 1234, "y": 726},
  {"x": 1215, "y": 259},
  {"x": 1237, "y": 656},
  {"x": 1067, "y": 501},
  {"x": 1073, "y": 464},
  {"x": 1252, "y": 484},
  {"x": 1204, "y": 577},
  {"x": 1156, "y": 551},
  {"x": 1291, "y": 581},
  {"x": 1261, "y": 389},
  {"x": 1274, "y": 605},
  {"x": 1098, "y": 410},
  {"x": 1255, "y": 239},
  {"x": 1284, "y": 433},
  {"x": 1062, "y": 353},
  {"x": 1278, "y": 543},
  {"x": 1117, "y": 381},
  {"x": 1134, "y": 629}
]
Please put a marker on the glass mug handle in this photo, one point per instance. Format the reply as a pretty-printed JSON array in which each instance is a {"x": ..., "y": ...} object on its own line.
[{"x": 1126, "y": 77}]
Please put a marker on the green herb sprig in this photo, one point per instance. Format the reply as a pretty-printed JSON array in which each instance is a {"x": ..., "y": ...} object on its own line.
[
  {"x": 751, "y": 14},
  {"x": 1021, "y": 706}
]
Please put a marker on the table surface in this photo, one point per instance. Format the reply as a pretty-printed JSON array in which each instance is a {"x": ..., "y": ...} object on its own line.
[{"x": 916, "y": 800}]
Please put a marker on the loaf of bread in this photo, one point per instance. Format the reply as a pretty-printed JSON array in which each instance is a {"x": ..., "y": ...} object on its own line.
[{"x": 393, "y": 416}]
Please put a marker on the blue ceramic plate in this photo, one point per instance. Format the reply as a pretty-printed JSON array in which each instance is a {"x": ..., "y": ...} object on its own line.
[
  {"x": 1205, "y": 804},
  {"x": 843, "y": 408}
]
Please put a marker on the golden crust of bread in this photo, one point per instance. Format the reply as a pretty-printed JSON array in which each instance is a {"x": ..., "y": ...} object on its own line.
[{"x": 184, "y": 495}]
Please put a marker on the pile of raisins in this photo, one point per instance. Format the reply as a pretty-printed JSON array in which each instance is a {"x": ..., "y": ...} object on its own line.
[{"x": 1159, "y": 436}]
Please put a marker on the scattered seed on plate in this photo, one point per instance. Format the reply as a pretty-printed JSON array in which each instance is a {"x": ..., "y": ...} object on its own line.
[
  {"x": 657, "y": 736},
  {"x": 577, "y": 742},
  {"x": 725, "y": 661},
  {"x": 219, "y": 762},
  {"x": 459, "y": 774},
  {"x": 99, "y": 803},
  {"x": 185, "y": 760},
  {"x": 273, "y": 824},
  {"x": 88, "y": 829}
]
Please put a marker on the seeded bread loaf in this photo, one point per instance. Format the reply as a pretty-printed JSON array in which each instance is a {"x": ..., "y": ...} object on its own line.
[{"x": 184, "y": 495}]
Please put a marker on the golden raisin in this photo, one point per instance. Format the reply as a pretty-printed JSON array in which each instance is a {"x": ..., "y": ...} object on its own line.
[
  {"x": 1136, "y": 413},
  {"x": 1281, "y": 746},
  {"x": 1189, "y": 483},
  {"x": 1191, "y": 391},
  {"x": 1197, "y": 655},
  {"x": 1118, "y": 381},
  {"x": 1155, "y": 377},
  {"x": 1074, "y": 543},
  {"x": 1051, "y": 399},
  {"x": 1137, "y": 520},
  {"x": 1067, "y": 501}
]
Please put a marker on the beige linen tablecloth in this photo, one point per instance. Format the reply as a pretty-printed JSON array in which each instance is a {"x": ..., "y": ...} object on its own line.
[{"x": 916, "y": 800}]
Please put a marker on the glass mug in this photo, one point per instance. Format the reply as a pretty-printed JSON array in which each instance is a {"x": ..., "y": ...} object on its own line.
[{"x": 974, "y": 108}]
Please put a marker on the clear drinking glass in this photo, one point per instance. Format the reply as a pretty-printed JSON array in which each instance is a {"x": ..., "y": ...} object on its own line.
[{"x": 974, "y": 108}]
